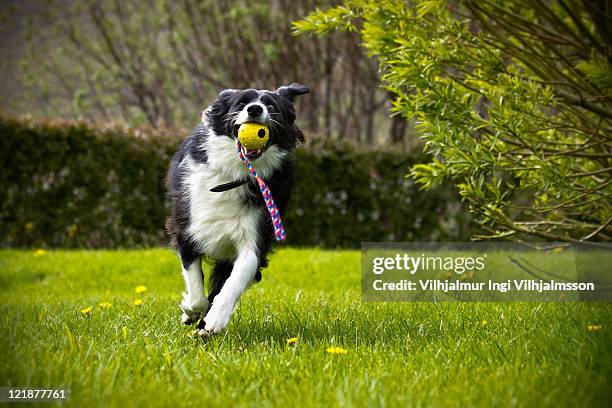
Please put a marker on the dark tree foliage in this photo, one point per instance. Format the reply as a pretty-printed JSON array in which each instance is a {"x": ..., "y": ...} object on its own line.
[{"x": 103, "y": 187}]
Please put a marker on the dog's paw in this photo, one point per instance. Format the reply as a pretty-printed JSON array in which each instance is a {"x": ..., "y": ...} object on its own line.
[
  {"x": 193, "y": 311},
  {"x": 204, "y": 333},
  {"x": 190, "y": 318},
  {"x": 217, "y": 318}
]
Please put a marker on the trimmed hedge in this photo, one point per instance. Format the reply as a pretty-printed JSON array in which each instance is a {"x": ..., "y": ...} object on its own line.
[{"x": 73, "y": 185}]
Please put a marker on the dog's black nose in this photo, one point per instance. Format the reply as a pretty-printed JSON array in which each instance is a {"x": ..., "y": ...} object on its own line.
[{"x": 255, "y": 110}]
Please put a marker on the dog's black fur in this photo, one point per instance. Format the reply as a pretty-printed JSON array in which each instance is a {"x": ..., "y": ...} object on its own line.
[{"x": 219, "y": 121}]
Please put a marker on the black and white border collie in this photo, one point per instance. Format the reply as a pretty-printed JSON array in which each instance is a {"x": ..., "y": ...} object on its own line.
[{"x": 230, "y": 226}]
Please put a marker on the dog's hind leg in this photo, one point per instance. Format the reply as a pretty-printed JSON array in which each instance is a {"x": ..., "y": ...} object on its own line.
[
  {"x": 219, "y": 274},
  {"x": 194, "y": 304},
  {"x": 243, "y": 272}
]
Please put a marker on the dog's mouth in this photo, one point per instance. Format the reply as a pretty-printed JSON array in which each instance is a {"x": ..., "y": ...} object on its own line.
[{"x": 251, "y": 154}]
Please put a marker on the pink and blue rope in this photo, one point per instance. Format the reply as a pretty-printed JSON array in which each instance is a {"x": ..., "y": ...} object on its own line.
[{"x": 279, "y": 231}]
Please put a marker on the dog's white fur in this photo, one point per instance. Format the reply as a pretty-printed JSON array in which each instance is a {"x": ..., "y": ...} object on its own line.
[
  {"x": 223, "y": 306},
  {"x": 194, "y": 302},
  {"x": 222, "y": 225}
]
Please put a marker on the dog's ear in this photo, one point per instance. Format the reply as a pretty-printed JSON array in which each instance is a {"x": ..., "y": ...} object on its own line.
[
  {"x": 293, "y": 90},
  {"x": 223, "y": 101},
  {"x": 221, "y": 105}
]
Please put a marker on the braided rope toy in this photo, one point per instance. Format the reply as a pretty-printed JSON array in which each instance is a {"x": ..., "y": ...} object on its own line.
[{"x": 279, "y": 231}]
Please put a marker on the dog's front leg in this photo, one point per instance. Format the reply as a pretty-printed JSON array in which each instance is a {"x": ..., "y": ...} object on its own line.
[
  {"x": 222, "y": 308},
  {"x": 194, "y": 303}
]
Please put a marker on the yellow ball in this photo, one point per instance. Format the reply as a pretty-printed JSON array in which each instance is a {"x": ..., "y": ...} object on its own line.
[{"x": 253, "y": 136}]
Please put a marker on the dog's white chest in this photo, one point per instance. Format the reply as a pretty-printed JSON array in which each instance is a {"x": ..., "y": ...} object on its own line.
[{"x": 220, "y": 223}]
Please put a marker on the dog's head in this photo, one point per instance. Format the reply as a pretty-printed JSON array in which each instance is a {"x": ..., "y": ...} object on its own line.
[{"x": 271, "y": 108}]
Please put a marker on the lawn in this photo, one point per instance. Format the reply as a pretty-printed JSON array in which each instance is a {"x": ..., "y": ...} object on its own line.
[{"x": 397, "y": 354}]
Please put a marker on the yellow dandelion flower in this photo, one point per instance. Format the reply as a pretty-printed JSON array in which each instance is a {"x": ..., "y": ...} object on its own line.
[
  {"x": 594, "y": 327},
  {"x": 292, "y": 340},
  {"x": 141, "y": 289},
  {"x": 483, "y": 323},
  {"x": 336, "y": 350},
  {"x": 39, "y": 252},
  {"x": 104, "y": 305},
  {"x": 137, "y": 302},
  {"x": 29, "y": 226},
  {"x": 87, "y": 311}
]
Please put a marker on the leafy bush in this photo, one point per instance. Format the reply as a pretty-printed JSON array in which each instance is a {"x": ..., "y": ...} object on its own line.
[
  {"x": 513, "y": 101},
  {"x": 73, "y": 185}
]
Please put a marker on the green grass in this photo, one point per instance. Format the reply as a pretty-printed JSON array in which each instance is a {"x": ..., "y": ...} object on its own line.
[{"x": 411, "y": 354}]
